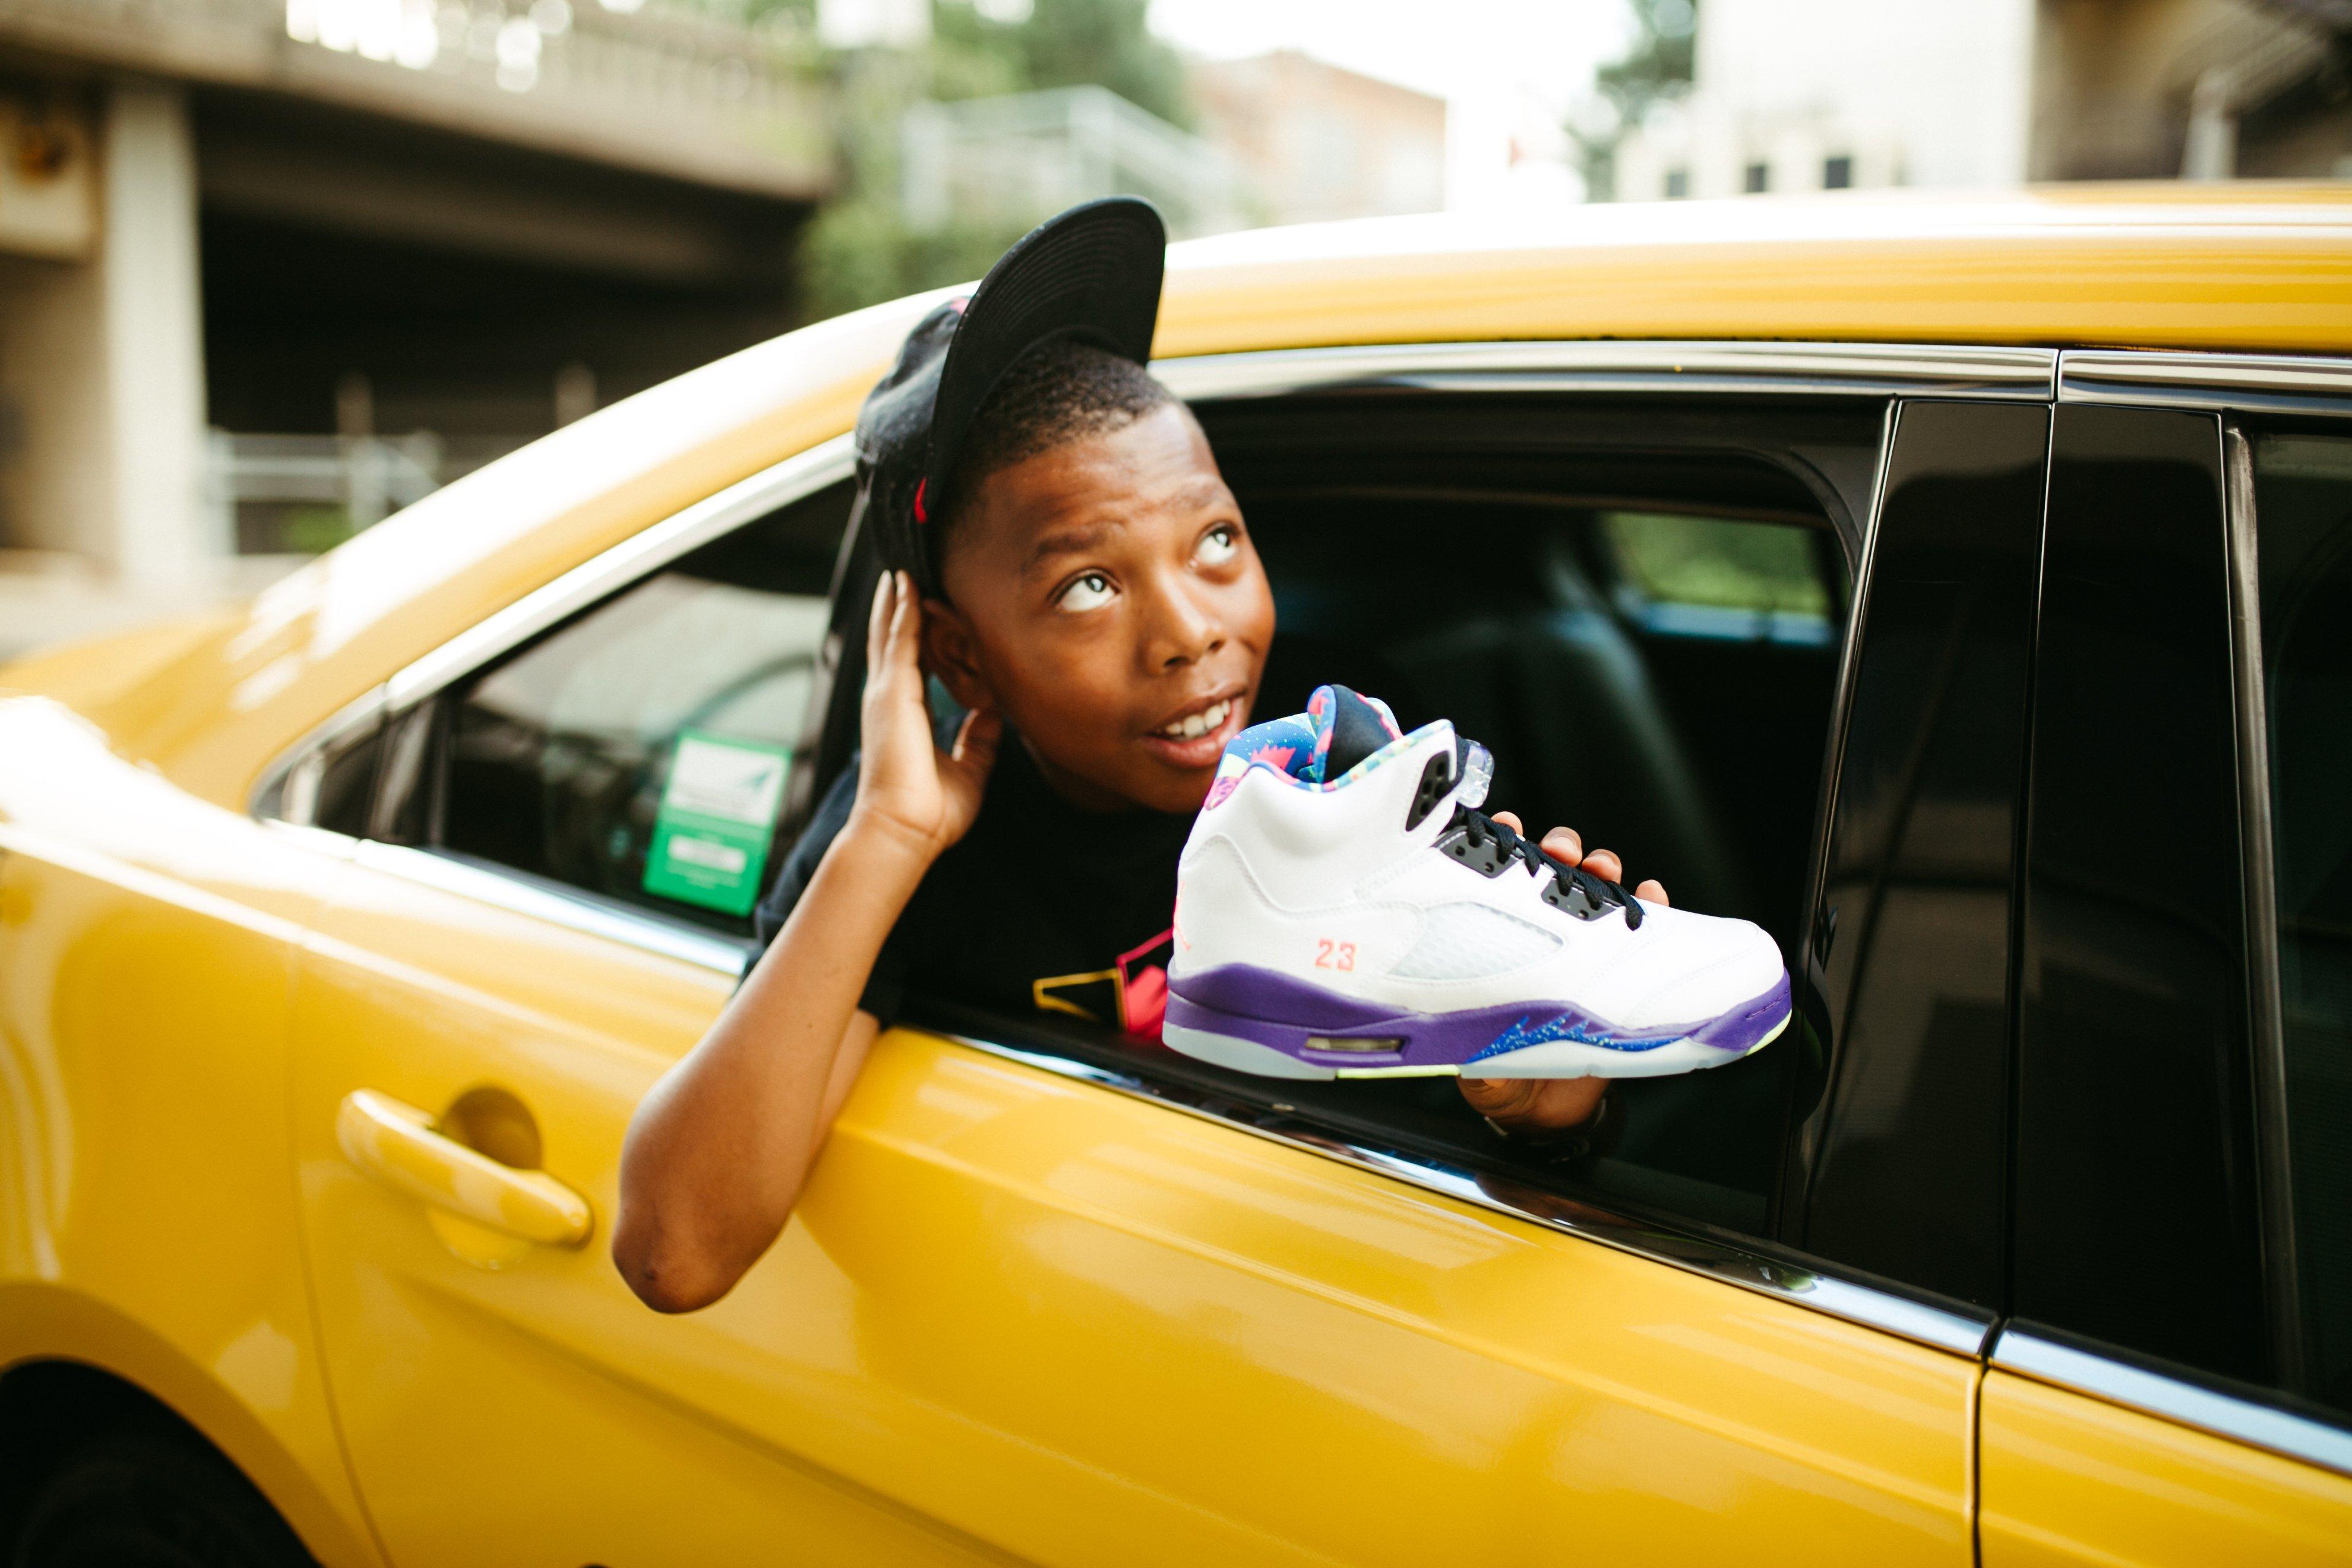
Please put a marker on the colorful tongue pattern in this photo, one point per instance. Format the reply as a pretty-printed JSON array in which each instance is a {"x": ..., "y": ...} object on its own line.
[
  {"x": 1347, "y": 728},
  {"x": 1339, "y": 729}
]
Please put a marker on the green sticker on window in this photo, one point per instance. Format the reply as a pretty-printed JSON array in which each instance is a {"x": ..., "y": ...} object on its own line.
[{"x": 718, "y": 814}]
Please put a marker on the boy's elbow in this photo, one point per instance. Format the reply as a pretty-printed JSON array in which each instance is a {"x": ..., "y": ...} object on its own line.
[
  {"x": 666, "y": 1292},
  {"x": 678, "y": 1259},
  {"x": 680, "y": 1243},
  {"x": 667, "y": 1278}
]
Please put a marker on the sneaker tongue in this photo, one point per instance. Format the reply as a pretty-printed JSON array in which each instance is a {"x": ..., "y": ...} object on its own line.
[{"x": 1347, "y": 728}]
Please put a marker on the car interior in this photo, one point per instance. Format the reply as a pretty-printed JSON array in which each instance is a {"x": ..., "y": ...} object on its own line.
[{"x": 1640, "y": 610}]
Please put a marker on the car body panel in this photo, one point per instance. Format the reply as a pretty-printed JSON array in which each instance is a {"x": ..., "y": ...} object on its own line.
[
  {"x": 1017, "y": 1314},
  {"x": 2071, "y": 1481}
]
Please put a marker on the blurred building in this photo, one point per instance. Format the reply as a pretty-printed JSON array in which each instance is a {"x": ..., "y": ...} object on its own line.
[
  {"x": 1007, "y": 162},
  {"x": 268, "y": 268},
  {"x": 1815, "y": 94},
  {"x": 1318, "y": 142},
  {"x": 1284, "y": 137}
]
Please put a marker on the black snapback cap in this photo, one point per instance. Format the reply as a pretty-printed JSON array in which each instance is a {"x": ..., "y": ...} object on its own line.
[{"x": 1091, "y": 274}]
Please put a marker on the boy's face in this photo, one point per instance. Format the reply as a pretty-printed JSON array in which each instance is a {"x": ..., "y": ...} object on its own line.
[{"x": 1105, "y": 599}]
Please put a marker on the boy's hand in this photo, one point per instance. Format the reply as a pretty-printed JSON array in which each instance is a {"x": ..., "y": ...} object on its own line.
[
  {"x": 1531, "y": 1105},
  {"x": 908, "y": 787},
  {"x": 1563, "y": 844}
]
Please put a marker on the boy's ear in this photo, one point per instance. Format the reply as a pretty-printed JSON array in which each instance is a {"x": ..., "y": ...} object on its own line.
[{"x": 950, "y": 653}]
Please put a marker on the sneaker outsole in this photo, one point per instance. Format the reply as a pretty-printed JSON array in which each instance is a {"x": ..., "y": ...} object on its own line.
[
  {"x": 1318, "y": 1035},
  {"x": 1560, "y": 1059}
]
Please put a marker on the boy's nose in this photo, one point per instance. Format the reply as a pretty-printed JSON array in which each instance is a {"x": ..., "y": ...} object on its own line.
[{"x": 1185, "y": 629}]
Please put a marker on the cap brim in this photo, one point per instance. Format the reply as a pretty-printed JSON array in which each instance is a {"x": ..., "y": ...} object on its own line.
[{"x": 1091, "y": 274}]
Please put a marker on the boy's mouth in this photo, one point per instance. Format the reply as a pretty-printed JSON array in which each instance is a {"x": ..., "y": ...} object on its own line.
[{"x": 1195, "y": 740}]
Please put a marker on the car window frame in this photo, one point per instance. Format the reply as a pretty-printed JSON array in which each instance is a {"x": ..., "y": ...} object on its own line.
[
  {"x": 2275, "y": 1419},
  {"x": 1634, "y": 370}
]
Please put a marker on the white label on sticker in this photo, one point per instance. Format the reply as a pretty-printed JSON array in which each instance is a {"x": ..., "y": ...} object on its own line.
[
  {"x": 725, "y": 782},
  {"x": 705, "y": 852}
]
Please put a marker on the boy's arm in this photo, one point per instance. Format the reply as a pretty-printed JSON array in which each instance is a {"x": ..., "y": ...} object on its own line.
[{"x": 717, "y": 1150}]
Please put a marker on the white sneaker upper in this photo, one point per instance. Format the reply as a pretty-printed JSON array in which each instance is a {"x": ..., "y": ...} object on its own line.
[{"x": 1373, "y": 891}]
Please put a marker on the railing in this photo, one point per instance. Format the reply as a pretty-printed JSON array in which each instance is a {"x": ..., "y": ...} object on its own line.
[
  {"x": 664, "y": 87},
  {"x": 1023, "y": 156},
  {"x": 274, "y": 494}
]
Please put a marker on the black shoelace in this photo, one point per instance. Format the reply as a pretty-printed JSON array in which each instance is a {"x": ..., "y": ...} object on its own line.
[{"x": 1480, "y": 829}]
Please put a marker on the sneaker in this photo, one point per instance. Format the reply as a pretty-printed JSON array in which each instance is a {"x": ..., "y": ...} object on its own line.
[{"x": 1344, "y": 910}]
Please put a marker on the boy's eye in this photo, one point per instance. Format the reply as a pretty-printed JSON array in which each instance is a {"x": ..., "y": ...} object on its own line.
[
  {"x": 1090, "y": 592},
  {"x": 1218, "y": 545}
]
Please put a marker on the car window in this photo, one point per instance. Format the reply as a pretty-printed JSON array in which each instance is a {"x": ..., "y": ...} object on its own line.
[
  {"x": 2135, "y": 1223},
  {"x": 2302, "y": 489},
  {"x": 641, "y": 750}
]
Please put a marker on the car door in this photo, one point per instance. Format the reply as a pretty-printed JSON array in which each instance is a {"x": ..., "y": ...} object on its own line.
[
  {"x": 2171, "y": 1387},
  {"x": 1044, "y": 1298}
]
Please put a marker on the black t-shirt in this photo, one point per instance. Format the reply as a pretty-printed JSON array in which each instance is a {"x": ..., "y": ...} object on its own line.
[{"x": 1041, "y": 906}]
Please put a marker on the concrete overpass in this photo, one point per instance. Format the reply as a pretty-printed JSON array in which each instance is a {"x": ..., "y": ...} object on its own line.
[{"x": 456, "y": 222}]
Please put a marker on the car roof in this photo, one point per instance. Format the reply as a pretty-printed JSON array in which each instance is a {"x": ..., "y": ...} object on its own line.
[{"x": 2248, "y": 267}]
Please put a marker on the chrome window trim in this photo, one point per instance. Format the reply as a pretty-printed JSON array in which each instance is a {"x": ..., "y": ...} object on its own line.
[
  {"x": 2045, "y": 1360},
  {"x": 2270, "y": 384},
  {"x": 2268, "y": 1031},
  {"x": 1921, "y": 1322},
  {"x": 1817, "y": 368}
]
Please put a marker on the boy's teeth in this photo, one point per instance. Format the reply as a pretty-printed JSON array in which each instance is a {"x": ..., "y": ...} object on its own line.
[{"x": 1198, "y": 724}]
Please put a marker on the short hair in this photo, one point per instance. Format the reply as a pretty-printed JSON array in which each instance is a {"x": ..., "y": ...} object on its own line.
[{"x": 1057, "y": 393}]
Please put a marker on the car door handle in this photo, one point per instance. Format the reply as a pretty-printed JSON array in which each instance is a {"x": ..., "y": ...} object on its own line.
[{"x": 397, "y": 1145}]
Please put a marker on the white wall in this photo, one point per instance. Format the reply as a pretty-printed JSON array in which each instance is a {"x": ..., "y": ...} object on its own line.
[{"x": 1914, "y": 91}]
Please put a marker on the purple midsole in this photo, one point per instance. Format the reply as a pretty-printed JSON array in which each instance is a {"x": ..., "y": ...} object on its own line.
[{"x": 1279, "y": 1010}]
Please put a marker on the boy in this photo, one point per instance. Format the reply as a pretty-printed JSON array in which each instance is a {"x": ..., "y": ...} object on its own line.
[{"x": 1065, "y": 558}]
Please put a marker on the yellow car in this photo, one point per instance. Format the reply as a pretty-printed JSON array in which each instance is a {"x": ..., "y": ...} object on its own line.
[{"x": 1957, "y": 587}]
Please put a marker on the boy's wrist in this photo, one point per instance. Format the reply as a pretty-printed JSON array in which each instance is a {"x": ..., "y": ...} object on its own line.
[{"x": 882, "y": 846}]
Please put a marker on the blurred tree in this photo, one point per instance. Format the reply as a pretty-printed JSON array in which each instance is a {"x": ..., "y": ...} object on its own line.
[
  {"x": 858, "y": 250},
  {"x": 1065, "y": 43},
  {"x": 1656, "y": 65},
  {"x": 802, "y": 11}
]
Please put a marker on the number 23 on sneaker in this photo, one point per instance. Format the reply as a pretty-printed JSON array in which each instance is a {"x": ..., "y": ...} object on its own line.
[{"x": 1343, "y": 910}]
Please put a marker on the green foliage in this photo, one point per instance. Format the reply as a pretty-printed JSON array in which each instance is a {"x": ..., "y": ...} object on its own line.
[
  {"x": 315, "y": 530},
  {"x": 1658, "y": 64},
  {"x": 799, "y": 12},
  {"x": 1062, "y": 43},
  {"x": 1709, "y": 561},
  {"x": 858, "y": 250}
]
